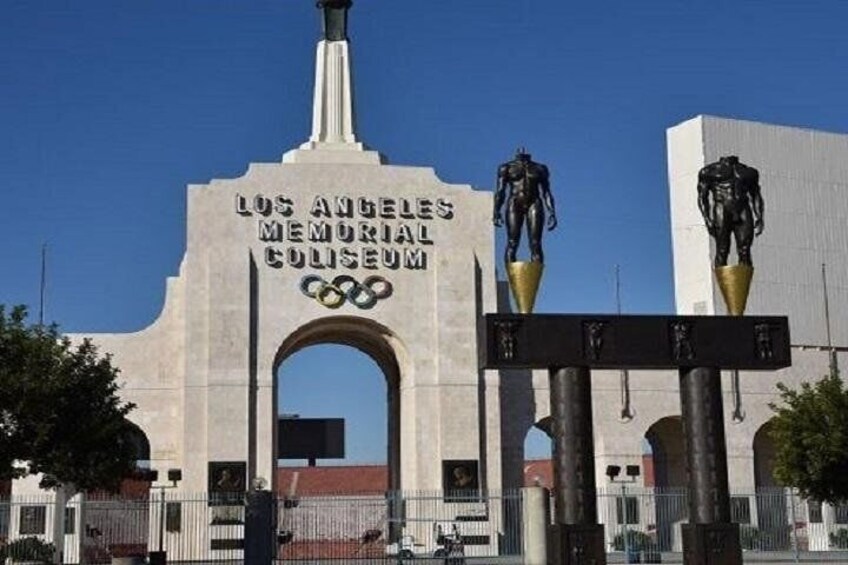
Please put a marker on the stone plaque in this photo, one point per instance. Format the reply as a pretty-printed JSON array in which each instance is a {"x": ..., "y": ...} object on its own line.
[{"x": 461, "y": 479}]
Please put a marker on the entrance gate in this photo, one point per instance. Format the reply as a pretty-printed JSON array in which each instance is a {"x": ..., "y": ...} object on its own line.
[{"x": 357, "y": 527}]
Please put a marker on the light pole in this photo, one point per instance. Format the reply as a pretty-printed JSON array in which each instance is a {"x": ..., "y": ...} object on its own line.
[
  {"x": 174, "y": 475},
  {"x": 632, "y": 473}
]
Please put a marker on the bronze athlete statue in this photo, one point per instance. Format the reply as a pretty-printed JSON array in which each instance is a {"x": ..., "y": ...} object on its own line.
[
  {"x": 530, "y": 197},
  {"x": 730, "y": 202}
]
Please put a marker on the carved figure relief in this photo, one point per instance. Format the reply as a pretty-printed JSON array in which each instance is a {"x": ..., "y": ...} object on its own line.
[
  {"x": 594, "y": 338},
  {"x": 506, "y": 339},
  {"x": 681, "y": 341},
  {"x": 762, "y": 338}
]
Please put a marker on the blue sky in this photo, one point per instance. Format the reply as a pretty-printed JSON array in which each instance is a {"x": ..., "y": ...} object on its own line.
[{"x": 109, "y": 108}]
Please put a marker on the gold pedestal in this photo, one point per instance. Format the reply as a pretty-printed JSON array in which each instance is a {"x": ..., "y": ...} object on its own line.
[
  {"x": 524, "y": 279},
  {"x": 735, "y": 282}
]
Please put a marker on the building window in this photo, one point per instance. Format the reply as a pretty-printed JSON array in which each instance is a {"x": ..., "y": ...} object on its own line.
[
  {"x": 740, "y": 509},
  {"x": 70, "y": 521},
  {"x": 814, "y": 512},
  {"x": 173, "y": 517},
  {"x": 33, "y": 520},
  {"x": 841, "y": 511},
  {"x": 631, "y": 504}
]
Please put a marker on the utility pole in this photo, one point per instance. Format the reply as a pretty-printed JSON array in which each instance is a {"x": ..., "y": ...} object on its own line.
[
  {"x": 43, "y": 284},
  {"x": 626, "y": 413},
  {"x": 833, "y": 363}
]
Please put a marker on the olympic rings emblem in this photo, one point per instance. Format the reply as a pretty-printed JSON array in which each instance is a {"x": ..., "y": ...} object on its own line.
[{"x": 343, "y": 288}]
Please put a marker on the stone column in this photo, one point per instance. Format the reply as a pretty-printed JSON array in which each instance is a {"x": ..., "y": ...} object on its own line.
[
  {"x": 709, "y": 538},
  {"x": 535, "y": 517},
  {"x": 576, "y": 538},
  {"x": 333, "y": 118}
]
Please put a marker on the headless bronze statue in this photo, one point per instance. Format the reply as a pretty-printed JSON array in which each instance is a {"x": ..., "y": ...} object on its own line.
[
  {"x": 529, "y": 198},
  {"x": 730, "y": 202}
]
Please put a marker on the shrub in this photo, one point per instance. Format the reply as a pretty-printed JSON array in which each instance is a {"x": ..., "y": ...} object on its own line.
[
  {"x": 839, "y": 539},
  {"x": 749, "y": 537},
  {"x": 636, "y": 541},
  {"x": 27, "y": 549}
]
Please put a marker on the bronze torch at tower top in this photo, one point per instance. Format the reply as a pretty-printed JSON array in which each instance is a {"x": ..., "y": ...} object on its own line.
[{"x": 335, "y": 18}]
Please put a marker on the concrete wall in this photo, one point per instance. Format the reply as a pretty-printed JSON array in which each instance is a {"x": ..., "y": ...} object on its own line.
[{"x": 203, "y": 375}]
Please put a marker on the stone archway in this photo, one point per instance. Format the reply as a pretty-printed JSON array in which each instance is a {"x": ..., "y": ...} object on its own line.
[
  {"x": 376, "y": 341},
  {"x": 539, "y": 472},
  {"x": 765, "y": 452},
  {"x": 668, "y": 457},
  {"x": 665, "y": 437},
  {"x": 772, "y": 511},
  {"x": 136, "y": 437}
]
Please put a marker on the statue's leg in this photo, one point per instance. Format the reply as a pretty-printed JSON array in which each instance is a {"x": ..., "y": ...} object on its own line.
[
  {"x": 514, "y": 220},
  {"x": 722, "y": 236},
  {"x": 744, "y": 232},
  {"x": 535, "y": 223}
]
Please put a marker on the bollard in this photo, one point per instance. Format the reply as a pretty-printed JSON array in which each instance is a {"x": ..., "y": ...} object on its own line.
[{"x": 535, "y": 519}]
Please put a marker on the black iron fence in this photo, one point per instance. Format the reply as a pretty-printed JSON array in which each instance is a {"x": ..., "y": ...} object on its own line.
[
  {"x": 770, "y": 520},
  {"x": 390, "y": 527},
  {"x": 397, "y": 526}
]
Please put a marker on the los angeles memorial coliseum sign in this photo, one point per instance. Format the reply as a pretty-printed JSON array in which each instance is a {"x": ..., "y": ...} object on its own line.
[{"x": 346, "y": 232}]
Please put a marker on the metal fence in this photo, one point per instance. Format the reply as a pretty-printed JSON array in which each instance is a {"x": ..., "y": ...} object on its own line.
[
  {"x": 393, "y": 527},
  {"x": 383, "y": 527},
  {"x": 400, "y": 525},
  {"x": 771, "y": 520}
]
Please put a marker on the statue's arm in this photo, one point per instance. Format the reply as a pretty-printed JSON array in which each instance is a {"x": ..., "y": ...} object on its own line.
[
  {"x": 500, "y": 194},
  {"x": 548, "y": 197},
  {"x": 704, "y": 186},
  {"x": 757, "y": 204}
]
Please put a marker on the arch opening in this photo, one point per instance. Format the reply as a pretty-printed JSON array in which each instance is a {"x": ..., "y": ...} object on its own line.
[
  {"x": 373, "y": 340},
  {"x": 772, "y": 512},
  {"x": 538, "y": 450},
  {"x": 665, "y": 461}
]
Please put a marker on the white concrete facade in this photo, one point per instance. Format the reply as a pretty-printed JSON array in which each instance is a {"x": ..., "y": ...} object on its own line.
[{"x": 203, "y": 376}]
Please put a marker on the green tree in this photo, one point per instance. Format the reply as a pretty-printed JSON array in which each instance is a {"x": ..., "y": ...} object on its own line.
[
  {"x": 60, "y": 414},
  {"x": 810, "y": 431}
]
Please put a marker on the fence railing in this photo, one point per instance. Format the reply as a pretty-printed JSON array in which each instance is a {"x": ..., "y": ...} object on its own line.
[
  {"x": 382, "y": 526},
  {"x": 770, "y": 520},
  {"x": 398, "y": 524}
]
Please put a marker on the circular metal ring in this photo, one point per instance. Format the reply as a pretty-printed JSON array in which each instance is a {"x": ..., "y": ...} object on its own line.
[
  {"x": 356, "y": 292},
  {"x": 308, "y": 281},
  {"x": 379, "y": 286},
  {"x": 330, "y": 296},
  {"x": 345, "y": 282},
  {"x": 346, "y": 288}
]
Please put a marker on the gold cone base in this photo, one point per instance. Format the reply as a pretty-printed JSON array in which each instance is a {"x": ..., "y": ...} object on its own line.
[
  {"x": 735, "y": 282},
  {"x": 524, "y": 279}
]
